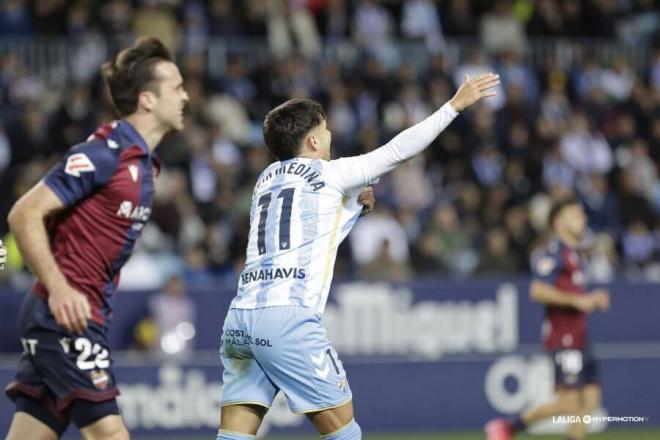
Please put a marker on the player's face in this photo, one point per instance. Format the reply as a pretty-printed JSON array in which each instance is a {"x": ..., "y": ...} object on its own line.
[
  {"x": 172, "y": 98},
  {"x": 574, "y": 220}
]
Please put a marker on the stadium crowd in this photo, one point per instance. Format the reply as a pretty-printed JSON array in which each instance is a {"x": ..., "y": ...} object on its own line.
[{"x": 474, "y": 203}]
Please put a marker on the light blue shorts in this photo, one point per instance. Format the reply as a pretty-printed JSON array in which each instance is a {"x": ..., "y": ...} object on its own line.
[{"x": 280, "y": 348}]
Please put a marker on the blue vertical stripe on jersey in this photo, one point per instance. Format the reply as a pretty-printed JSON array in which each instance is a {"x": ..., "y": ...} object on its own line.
[
  {"x": 309, "y": 231},
  {"x": 146, "y": 192},
  {"x": 272, "y": 238},
  {"x": 108, "y": 302}
]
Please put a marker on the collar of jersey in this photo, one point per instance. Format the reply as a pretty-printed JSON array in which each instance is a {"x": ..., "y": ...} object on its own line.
[{"x": 132, "y": 135}]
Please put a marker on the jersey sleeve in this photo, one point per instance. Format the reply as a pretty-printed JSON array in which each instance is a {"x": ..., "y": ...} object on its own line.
[
  {"x": 548, "y": 267},
  {"x": 354, "y": 172},
  {"x": 81, "y": 171}
]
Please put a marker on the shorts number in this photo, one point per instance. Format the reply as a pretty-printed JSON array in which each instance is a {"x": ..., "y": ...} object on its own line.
[
  {"x": 86, "y": 349},
  {"x": 570, "y": 361},
  {"x": 285, "y": 219}
]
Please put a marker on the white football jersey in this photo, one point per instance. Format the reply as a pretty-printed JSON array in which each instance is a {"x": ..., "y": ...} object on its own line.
[
  {"x": 301, "y": 211},
  {"x": 298, "y": 218}
]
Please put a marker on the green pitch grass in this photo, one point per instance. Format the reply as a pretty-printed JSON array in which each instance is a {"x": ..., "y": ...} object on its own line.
[
  {"x": 607, "y": 435},
  {"x": 474, "y": 435}
]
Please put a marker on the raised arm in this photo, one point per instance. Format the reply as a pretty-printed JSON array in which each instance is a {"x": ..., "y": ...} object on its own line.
[
  {"x": 354, "y": 172},
  {"x": 27, "y": 222}
]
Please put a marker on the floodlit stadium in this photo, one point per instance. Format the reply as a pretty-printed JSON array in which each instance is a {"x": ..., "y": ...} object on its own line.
[{"x": 504, "y": 284}]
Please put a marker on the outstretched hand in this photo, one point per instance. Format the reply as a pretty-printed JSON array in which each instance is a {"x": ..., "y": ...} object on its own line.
[{"x": 473, "y": 90}]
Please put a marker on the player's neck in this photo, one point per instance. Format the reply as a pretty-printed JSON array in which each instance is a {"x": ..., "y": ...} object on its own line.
[
  {"x": 151, "y": 132},
  {"x": 309, "y": 155}
]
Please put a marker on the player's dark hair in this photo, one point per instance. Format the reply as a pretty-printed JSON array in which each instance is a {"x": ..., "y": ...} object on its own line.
[
  {"x": 132, "y": 71},
  {"x": 286, "y": 125},
  {"x": 559, "y": 206}
]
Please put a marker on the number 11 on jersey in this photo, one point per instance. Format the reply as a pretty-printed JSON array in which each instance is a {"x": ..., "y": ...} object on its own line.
[{"x": 285, "y": 219}]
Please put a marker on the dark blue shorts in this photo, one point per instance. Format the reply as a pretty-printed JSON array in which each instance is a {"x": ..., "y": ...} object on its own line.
[
  {"x": 68, "y": 376},
  {"x": 574, "y": 368}
]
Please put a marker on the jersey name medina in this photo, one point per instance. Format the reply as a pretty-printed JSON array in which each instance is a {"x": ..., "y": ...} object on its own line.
[
  {"x": 561, "y": 267},
  {"x": 298, "y": 218},
  {"x": 106, "y": 185},
  {"x": 301, "y": 211}
]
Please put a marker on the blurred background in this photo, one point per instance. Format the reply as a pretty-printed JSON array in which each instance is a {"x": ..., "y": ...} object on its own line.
[{"x": 429, "y": 311}]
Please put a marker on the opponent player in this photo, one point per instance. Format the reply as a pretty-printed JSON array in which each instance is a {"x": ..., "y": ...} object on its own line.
[
  {"x": 76, "y": 228},
  {"x": 302, "y": 208},
  {"x": 559, "y": 284},
  {"x": 3, "y": 255}
]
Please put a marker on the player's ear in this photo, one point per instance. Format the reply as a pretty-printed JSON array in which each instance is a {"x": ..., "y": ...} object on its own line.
[
  {"x": 312, "y": 142},
  {"x": 147, "y": 100}
]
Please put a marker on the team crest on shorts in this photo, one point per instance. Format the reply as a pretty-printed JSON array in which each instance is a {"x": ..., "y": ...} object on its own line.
[
  {"x": 100, "y": 379},
  {"x": 342, "y": 384}
]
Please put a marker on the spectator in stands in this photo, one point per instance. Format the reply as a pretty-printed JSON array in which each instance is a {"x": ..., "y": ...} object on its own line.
[
  {"x": 565, "y": 120},
  {"x": 601, "y": 205},
  {"x": 500, "y": 30},
  {"x": 638, "y": 246},
  {"x": 174, "y": 315},
  {"x": 447, "y": 244},
  {"x": 384, "y": 267},
  {"x": 15, "y": 18},
  {"x": 419, "y": 19},
  {"x": 496, "y": 257},
  {"x": 379, "y": 236},
  {"x": 585, "y": 148},
  {"x": 372, "y": 28}
]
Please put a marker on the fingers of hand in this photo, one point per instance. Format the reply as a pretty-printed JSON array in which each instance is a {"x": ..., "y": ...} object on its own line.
[
  {"x": 484, "y": 77},
  {"x": 81, "y": 315},
  {"x": 74, "y": 318},
  {"x": 62, "y": 317},
  {"x": 369, "y": 201},
  {"x": 486, "y": 85},
  {"x": 489, "y": 84},
  {"x": 72, "y": 315},
  {"x": 366, "y": 194},
  {"x": 88, "y": 309}
]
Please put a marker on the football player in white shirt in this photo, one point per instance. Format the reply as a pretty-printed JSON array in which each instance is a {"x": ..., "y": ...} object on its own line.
[{"x": 303, "y": 206}]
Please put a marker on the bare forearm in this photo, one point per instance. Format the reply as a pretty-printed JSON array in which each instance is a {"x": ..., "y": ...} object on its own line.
[
  {"x": 546, "y": 294},
  {"x": 32, "y": 239}
]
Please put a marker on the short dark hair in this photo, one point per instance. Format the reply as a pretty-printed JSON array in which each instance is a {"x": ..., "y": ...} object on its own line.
[
  {"x": 131, "y": 72},
  {"x": 559, "y": 206},
  {"x": 286, "y": 125}
]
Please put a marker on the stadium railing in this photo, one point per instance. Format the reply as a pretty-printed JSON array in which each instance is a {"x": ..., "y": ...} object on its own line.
[{"x": 52, "y": 58}]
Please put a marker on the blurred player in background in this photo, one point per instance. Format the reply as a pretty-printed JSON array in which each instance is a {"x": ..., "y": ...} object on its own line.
[
  {"x": 559, "y": 284},
  {"x": 76, "y": 228},
  {"x": 303, "y": 206},
  {"x": 3, "y": 255}
]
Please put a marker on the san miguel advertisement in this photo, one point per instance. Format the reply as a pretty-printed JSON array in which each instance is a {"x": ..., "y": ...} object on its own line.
[{"x": 425, "y": 356}]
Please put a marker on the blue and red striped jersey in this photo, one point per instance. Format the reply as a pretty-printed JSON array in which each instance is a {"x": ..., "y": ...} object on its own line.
[
  {"x": 106, "y": 185},
  {"x": 561, "y": 267}
]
